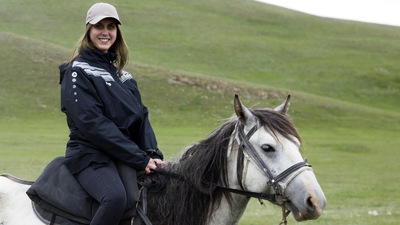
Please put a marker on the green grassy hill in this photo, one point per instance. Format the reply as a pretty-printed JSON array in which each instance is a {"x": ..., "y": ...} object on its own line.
[
  {"x": 238, "y": 39},
  {"x": 191, "y": 57}
]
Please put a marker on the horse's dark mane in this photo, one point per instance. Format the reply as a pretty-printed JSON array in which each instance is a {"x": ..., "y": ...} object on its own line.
[{"x": 204, "y": 165}]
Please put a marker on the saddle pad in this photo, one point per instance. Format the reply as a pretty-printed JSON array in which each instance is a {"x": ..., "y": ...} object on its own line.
[
  {"x": 46, "y": 217},
  {"x": 57, "y": 191}
]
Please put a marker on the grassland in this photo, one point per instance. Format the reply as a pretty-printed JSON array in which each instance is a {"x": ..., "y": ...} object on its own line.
[{"x": 190, "y": 57}]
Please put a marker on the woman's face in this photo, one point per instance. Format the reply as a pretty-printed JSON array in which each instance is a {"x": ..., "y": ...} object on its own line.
[{"x": 103, "y": 34}]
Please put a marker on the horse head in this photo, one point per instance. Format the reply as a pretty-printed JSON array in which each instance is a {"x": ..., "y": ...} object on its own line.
[{"x": 272, "y": 162}]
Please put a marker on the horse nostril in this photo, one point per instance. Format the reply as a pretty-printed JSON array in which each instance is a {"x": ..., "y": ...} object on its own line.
[{"x": 310, "y": 203}]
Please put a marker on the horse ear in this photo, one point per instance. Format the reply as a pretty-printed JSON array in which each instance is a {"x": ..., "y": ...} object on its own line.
[
  {"x": 284, "y": 107},
  {"x": 243, "y": 113}
]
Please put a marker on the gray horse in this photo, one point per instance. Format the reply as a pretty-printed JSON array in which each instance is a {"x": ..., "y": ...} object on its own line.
[{"x": 254, "y": 154}]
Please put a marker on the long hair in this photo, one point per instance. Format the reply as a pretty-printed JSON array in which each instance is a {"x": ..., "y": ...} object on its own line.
[
  {"x": 191, "y": 201},
  {"x": 119, "y": 47}
]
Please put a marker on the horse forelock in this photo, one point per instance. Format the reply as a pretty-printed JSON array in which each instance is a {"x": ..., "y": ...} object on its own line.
[{"x": 277, "y": 123}]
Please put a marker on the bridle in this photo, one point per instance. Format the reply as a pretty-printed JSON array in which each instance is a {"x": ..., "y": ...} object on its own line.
[{"x": 278, "y": 183}]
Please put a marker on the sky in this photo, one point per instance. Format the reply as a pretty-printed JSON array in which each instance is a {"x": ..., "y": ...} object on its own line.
[{"x": 371, "y": 11}]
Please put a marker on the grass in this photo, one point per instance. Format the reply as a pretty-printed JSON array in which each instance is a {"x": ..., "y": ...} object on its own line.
[{"x": 190, "y": 57}]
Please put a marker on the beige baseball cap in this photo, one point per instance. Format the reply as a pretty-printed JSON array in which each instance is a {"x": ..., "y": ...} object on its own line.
[{"x": 101, "y": 11}]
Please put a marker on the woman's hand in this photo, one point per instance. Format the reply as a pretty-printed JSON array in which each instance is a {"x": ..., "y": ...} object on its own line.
[{"x": 153, "y": 164}]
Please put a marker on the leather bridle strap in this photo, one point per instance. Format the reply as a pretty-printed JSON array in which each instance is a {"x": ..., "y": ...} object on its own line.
[
  {"x": 288, "y": 171},
  {"x": 245, "y": 144},
  {"x": 250, "y": 194}
]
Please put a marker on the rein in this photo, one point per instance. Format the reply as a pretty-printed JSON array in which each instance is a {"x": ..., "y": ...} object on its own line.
[
  {"x": 16, "y": 179},
  {"x": 259, "y": 195}
]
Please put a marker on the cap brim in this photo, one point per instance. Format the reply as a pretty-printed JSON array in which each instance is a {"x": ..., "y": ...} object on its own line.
[{"x": 98, "y": 19}]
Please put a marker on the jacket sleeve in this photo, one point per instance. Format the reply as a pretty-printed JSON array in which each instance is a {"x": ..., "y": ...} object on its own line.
[
  {"x": 148, "y": 137},
  {"x": 82, "y": 105}
]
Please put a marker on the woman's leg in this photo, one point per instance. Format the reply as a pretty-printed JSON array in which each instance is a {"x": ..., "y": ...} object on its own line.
[{"x": 104, "y": 184}]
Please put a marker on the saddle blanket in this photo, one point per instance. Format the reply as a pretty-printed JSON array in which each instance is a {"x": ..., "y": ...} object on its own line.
[{"x": 57, "y": 192}]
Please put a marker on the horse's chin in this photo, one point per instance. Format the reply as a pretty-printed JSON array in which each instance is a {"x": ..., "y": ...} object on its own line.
[{"x": 297, "y": 215}]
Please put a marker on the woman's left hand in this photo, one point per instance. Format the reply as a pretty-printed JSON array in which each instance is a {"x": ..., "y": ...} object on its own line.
[{"x": 153, "y": 164}]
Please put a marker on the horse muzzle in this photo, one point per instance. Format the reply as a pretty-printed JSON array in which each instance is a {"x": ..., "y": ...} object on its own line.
[{"x": 311, "y": 209}]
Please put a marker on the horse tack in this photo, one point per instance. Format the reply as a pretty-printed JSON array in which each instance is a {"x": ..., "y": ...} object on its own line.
[
  {"x": 247, "y": 149},
  {"x": 18, "y": 180},
  {"x": 285, "y": 214},
  {"x": 279, "y": 188}
]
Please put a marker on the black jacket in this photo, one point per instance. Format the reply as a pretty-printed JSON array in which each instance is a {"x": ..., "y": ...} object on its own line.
[{"x": 105, "y": 114}]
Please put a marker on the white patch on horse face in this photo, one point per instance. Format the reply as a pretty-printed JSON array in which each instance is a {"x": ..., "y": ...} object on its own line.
[{"x": 285, "y": 154}]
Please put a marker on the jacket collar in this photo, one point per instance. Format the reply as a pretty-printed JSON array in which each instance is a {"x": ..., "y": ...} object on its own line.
[
  {"x": 95, "y": 55},
  {"x": 91, "y": 55}
]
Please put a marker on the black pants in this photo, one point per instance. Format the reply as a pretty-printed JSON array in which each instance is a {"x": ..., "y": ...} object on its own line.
[{"x": 104, "y": 184}]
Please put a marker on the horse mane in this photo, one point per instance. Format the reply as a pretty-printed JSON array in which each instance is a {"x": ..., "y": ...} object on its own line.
[{"x": 203, "y": 166}]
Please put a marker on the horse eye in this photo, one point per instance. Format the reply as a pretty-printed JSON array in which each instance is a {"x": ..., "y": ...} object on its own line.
[{"x": 267, "y": 148}]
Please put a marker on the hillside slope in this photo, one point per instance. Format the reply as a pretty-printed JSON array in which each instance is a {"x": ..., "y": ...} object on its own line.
[{"x": 240, "y": 40}]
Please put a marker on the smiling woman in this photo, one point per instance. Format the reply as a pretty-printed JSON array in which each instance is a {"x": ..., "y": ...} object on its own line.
[
  {"x": 107, "y": 120},
  {"x": 103, "y": 34}
]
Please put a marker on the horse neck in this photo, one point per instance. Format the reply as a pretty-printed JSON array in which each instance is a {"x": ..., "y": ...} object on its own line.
[{"x": 231, "y": 214}]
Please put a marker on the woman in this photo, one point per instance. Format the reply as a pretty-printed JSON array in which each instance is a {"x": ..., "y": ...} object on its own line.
[{"x": 105, "y": 115}]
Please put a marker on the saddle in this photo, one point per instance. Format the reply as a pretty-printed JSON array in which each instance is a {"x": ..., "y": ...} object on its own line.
[{"x": 58, "y": 198}]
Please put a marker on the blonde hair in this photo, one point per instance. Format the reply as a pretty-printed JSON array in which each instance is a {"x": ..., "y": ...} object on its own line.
[{"x": 120, "y": 48}]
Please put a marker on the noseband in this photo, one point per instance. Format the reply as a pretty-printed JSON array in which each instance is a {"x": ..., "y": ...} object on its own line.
[{"x": 276, "y": 182}]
